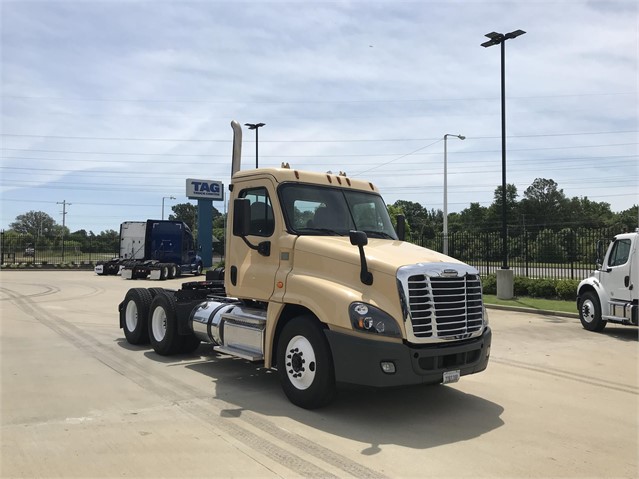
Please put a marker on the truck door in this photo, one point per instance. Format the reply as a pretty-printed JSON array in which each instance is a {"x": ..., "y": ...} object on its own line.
[
  {"x": 250, "y": 274},
  {"x": 618, "y": 267}
]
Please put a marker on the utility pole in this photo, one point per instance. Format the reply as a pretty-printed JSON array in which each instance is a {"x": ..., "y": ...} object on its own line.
[{"x": 64, "y": 223}]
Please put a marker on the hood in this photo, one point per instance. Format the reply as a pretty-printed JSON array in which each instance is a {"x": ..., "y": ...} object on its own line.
[{"x": 382, "y": 255}]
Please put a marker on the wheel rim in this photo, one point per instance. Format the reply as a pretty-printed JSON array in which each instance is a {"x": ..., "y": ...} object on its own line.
[
  {"x": 173, "y": 270},
  {"x": 165, "y": 271},
  {"x": 158, "y": 323},
  {"x": 131, "y": 315},
  {"x": 588, "y": 311},
  {"x": 301, "y": 365}
]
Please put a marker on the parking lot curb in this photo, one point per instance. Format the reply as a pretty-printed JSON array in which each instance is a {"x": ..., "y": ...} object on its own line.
[{"x": 519, "y": 309}]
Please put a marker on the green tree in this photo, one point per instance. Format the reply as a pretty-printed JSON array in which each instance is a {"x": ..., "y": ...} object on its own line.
[
  {"x": 472, "y": 218},
  {"x": 544, "y": 204},
  {"x": 35, "y": 223},
  {"x": 393, "y": 212},
  {"x": 185, "y": 212},
  {"x": 416, "y": 215},
  {"x": 493, "y": 216}
]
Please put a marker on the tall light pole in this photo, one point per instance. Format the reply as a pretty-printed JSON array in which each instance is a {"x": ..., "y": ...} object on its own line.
[
  {"x": 461, "y": 137},
  {"x": 255, "y": 126},
  {"x": 500, "y": 39},
  {"x": 167, "y": 198}
]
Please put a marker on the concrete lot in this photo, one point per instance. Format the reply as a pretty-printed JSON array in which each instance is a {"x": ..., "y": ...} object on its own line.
[{"x": 78, "y": 401}]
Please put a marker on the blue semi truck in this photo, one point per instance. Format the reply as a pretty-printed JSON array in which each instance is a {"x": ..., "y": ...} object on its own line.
[{"x": 154, "y": 249}]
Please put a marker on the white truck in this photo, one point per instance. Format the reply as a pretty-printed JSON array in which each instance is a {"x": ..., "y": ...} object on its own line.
[
  {"x": 610, "y": 293},
  {"x": 319, "y": 286}
]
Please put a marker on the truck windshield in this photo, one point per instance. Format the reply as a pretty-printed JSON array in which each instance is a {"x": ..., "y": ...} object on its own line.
[{"x": 326, "y": 211}]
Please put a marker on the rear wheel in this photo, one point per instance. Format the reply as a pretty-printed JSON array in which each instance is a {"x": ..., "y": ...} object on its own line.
[
  {"x": 305, "y": 363},
  {"x": 590, "y": 312},
  {"x": 133, "y": 315},
  {"x": 172, "y": 271},
  {"x": 163, "y": 329},
  {"x": 164, "y": 271},
  {"x": 189, "y": 344},
  {"x": 198, "y": 269}
]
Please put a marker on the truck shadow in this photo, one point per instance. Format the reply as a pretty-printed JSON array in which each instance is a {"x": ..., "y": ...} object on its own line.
[
  {"x": 623, "y": 333},
  {"x": 418, "y": 417}
]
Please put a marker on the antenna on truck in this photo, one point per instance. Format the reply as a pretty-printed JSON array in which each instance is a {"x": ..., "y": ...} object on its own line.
[{"x": 237, "y": 147}]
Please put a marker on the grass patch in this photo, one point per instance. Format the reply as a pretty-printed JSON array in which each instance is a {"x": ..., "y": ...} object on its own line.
[{"x": 533, "y": 303}]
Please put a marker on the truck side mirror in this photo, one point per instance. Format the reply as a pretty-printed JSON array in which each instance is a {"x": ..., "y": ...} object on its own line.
[
  {"x": 401, "y": 227},
  {"x": 599, "y": 260},
  {"x": 359, "y": 239},
  {"x": 241, "y": 217}
]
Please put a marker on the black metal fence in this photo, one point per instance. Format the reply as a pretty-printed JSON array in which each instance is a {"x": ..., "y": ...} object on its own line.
[
  {"x": 25, "y": 249},
  {"x": 564, "y": 254}
]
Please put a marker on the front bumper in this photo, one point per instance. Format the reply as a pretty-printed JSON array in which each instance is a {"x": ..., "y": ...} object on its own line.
[{"x": 358, "y": 360}]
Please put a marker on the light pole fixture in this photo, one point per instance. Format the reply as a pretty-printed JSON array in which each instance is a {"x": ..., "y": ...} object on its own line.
[
  {"x": 500, "y": 39},
  {"x": 255, "y": 126},
  {"x": 445, "y": 238},
  {"x": 165, "y": 198}
]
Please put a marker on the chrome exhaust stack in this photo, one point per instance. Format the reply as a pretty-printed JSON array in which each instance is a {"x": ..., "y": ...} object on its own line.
[{"x": 236, "y": 164}]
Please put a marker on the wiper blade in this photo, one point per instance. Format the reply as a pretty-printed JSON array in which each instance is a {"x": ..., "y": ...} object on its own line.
[
  {"x": 378, "y": 234},
  {"x": 327, "y": 231}
]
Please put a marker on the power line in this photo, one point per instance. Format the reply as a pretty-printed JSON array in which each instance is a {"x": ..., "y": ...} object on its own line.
[
  {"x": 210, "y": 140},
  {"x": 285, "y": 102},
  {"x": 365, "y": 155}
]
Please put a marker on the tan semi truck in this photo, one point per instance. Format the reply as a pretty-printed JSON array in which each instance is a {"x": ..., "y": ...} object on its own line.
[{"x": 318, "y": 286}]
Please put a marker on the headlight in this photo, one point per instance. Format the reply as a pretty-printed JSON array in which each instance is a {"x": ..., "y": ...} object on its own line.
[{"x": 370, "y": 319}]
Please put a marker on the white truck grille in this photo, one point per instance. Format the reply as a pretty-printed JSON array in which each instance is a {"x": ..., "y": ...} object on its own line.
[{"x": 445, "y": 303}]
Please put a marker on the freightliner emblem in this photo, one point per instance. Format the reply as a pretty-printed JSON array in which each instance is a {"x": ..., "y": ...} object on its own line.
[{"x": 449, "y": 273}]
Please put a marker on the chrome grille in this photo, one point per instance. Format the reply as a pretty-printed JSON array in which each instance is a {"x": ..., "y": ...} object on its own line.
[{"x": 445, "y": 307}]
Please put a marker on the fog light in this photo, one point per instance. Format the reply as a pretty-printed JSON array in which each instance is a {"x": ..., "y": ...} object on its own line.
[{"x": 388, "y": 367}]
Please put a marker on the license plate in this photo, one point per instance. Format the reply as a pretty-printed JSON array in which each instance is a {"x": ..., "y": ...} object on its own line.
[{"x": 451, "y": 376}]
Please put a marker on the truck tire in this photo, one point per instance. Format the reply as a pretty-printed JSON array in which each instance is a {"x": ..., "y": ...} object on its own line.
[
  {"x": 155, "y": 291},
  {"x": 163, "y": 330},
  {"x": 172, "y": 271},
  {"x": 164, "y": 271},
  {"x": 590, "y": 312},
  {"x": 134, "y": 314},
  {"x": 198, "y": 269},
  {"x": 189, "y": 344},
  {"x": 305, "y": 363}
]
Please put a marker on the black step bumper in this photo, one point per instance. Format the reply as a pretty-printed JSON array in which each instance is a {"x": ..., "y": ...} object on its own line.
[{"x": 358, "y": 360}]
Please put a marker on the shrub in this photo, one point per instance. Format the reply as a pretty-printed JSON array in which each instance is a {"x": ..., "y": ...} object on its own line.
[
  {"x": 543, "y": 288},
  {"x": 567, "y": 289},
  {"x": 489, "y": 284},
  {"x": 522, "y": 286}
]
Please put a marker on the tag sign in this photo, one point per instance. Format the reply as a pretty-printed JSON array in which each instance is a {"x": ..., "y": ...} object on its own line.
[{"x": 204, "y": 189}]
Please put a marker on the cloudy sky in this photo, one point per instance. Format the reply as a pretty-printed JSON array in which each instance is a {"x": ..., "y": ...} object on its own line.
[{"x": 111, "y": 105}]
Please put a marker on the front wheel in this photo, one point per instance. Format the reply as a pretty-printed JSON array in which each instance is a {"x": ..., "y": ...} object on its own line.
[
  {"x": 590, "y": 312},
  {"x": 305, "y": 363}
]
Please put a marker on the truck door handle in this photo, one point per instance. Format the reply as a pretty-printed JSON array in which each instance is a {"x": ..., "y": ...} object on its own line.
[{"x": 626, "y": 281}]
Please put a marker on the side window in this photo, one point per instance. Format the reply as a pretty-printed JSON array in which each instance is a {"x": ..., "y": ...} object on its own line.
[
  {"x": 620, "y": 252},
  {"x": 262, "y": 222}
]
